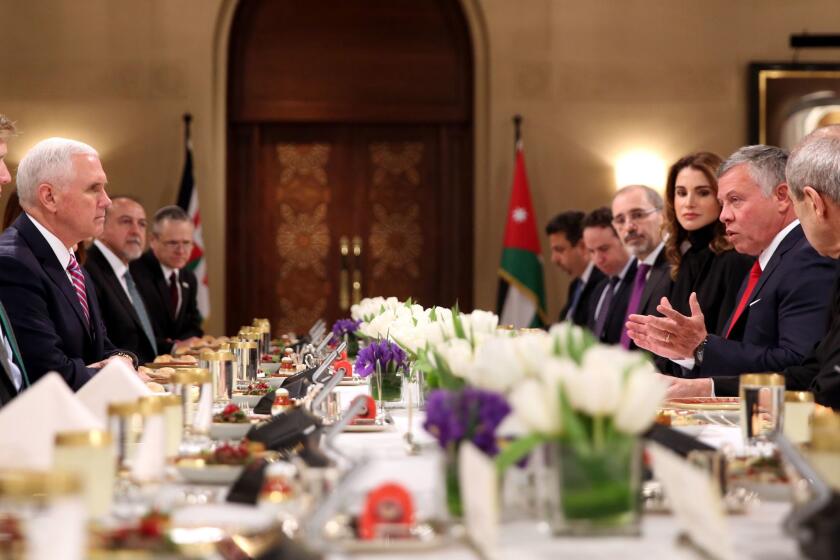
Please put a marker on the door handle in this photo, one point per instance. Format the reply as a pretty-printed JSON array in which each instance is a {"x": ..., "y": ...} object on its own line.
[
  {"x": 344, "y": 275},
  {"x": 357, "y": 272}
]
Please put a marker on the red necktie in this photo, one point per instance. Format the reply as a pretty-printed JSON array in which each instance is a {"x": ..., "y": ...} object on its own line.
[
  {"x": 755, "y": 274},
  {"x": 78, "y": 280},
  {"x": 173, "y": 293}
]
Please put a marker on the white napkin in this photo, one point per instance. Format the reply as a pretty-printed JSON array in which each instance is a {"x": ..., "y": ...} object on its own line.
[
  {"x": 116, "y": 382},
  {"x": 28, "y": 424},
  {"x": 150, "y": 460}
]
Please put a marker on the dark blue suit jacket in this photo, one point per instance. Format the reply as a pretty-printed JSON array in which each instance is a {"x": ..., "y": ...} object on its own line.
[
  {"x": 618, "y": 308},
  {"x": 785, "y": 317},
  {"x": 45, "y": 311}
]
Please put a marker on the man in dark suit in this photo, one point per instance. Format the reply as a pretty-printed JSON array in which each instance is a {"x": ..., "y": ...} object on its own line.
[
  {"x": 12, "y": 373},
  {"x": 813, "y": 175},
  {"x": 50, "y": 300},
  {"x": 782, "y": 307},
  {"x": 568, "y": 251},
  {"x": 637, "y": 218},
  {"x": 169, "y": 290},
  {"x": 609, "y": 302},
  {"x": 123, "y": 309}
]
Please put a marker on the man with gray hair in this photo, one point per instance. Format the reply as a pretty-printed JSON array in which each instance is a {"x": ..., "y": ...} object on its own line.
[
  {"x": 170, "y": 290},
  {"x": 637, "y": 217},
  {"x": 782, "y": 307},
  {"x": 813, "y": 174},
  {"x": 50, "y": 299}
]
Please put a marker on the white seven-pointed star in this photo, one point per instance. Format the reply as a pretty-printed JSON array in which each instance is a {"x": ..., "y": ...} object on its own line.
[{"x": 520, "y": 215}]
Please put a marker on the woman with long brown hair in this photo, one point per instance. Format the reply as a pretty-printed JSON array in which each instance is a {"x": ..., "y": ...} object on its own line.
[{"x": 702, "y": 259}]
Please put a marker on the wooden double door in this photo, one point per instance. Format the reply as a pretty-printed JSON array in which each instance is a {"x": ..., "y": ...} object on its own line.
[{"x": 321, "y": 215}]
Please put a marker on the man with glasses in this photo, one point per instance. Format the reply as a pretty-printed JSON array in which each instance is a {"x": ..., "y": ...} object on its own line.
[
  {"x": 169, "y": 290},
  {"x": 637, "y": 217}
]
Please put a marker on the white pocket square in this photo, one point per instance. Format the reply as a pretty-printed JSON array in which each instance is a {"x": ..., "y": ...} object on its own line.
[{"x": 756, "y": 301}]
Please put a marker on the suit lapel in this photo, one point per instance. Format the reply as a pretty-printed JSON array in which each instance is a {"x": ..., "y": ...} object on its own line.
[
  {"x": 657, "y": 272},
  {"x": 109, "y": 276},
  {"x": 49, "y": 261},
  {"x": 791, "y": 239}
]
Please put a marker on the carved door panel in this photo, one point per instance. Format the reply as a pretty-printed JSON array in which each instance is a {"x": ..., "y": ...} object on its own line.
[{"x": 323, "y": 191}]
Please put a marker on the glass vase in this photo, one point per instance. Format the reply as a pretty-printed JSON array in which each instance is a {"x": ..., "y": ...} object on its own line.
[
  {"x": 594, "y": 492},
  {"x": 386, "y": 388},
  {"x": 413, "y": 389},
  {"x": 453, "y": 485}
]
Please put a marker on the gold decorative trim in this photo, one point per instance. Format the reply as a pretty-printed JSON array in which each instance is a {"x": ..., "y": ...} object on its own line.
[
  {"x": 303, "y": 160},
  {"x": 396, "y": 159},
  {"x": 396, "y": 240},
  {"x": 765, "y": 75},
  {"x": 303, "y": 240}
]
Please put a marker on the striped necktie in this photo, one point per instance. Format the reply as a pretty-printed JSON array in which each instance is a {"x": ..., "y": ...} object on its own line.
[{"x": 78, "y": 279}]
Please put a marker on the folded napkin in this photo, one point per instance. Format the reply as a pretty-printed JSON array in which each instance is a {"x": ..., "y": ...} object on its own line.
[
  {"x": 29, "y": 423},
  {"x": 150, "y": 460},
  {"x": 116, "y": 382}
]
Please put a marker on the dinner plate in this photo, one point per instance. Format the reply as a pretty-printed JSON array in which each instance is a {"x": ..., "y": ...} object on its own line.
[
  {"x": 270, "y": 367},
  {"x": 161, "y": 365},
  {"x": 246, "y": 400},
  {"x": 275, "y": 382},
  {"x": 210, "y": 474},
  {"x": 705, "y": 403},
  {"x": 351, "y": 382},
  {"x": 365, "y": 428},
  {"x": 767, "y": 491},
  {"x": 229, "y": 430}
]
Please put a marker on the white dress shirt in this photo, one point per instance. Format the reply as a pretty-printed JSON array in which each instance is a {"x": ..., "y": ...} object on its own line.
[
  {"x": 62, "y": 253},
  {"x": 117, "y": 266}
]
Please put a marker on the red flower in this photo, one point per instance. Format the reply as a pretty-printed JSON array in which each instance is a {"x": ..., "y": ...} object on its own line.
[{"x": 230, "y": 409}]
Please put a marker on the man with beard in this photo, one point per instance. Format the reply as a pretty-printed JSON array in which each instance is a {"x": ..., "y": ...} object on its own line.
[
  {"x": 123, "y": 309},
  {"x": 637, "y": 218}
]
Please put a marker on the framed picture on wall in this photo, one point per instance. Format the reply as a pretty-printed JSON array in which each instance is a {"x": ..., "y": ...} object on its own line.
[{"x": 789, "y": 100}]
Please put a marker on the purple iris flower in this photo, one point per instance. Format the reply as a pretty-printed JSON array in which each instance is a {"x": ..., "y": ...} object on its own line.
[
  {"x": 388, "y": 355},
  {"x": 345, "y": 326},
  {"x": 466, "y": 415}
]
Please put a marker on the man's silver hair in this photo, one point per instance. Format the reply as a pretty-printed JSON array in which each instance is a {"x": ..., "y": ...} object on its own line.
[
  {"x": 815, "y": 162},
  {"x": 766, "y": 165},
  {"x": 653, "y": 197},
  {"x": 49, "y": 161}
]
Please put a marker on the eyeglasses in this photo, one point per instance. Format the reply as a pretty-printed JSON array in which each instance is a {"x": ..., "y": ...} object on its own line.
[
  {"x": 173, "y": 245},
  {"x": 633, "y": 216}
]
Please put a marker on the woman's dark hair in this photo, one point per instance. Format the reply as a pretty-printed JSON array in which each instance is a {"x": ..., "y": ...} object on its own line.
[{"x": 706, "y": 163}]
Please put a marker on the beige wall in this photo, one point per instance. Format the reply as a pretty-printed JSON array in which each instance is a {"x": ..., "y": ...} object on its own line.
[{"x": 590, "y": 80}]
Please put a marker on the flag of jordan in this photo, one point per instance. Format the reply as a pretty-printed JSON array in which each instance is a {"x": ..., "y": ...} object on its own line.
[{"x": 521, "y": 295}]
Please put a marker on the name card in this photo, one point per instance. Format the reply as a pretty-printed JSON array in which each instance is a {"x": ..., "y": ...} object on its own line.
[
  {"x": 696, "y": 502},
  {"x": 480, "y": 498}
]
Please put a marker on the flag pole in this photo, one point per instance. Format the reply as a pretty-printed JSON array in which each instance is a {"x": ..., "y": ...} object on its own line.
[
  {"x": 187, "y": 121},
  {"x": 517, "y": 131}
]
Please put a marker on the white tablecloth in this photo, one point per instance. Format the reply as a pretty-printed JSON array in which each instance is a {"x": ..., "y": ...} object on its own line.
[{"x": 757, "y": 534}]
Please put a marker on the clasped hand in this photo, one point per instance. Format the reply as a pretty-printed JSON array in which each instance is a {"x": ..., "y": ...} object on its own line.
[{"x": 674, "y": 335}]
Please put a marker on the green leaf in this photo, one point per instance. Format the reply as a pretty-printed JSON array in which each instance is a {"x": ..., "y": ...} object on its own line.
[
  {"x": 457, "y": 324},
  {"x": 573, "y": 425},
  {"x": 514, "y": 451}
]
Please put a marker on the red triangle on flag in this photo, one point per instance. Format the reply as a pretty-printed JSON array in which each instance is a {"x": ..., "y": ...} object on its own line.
[{"x": 521, "y": 228}]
